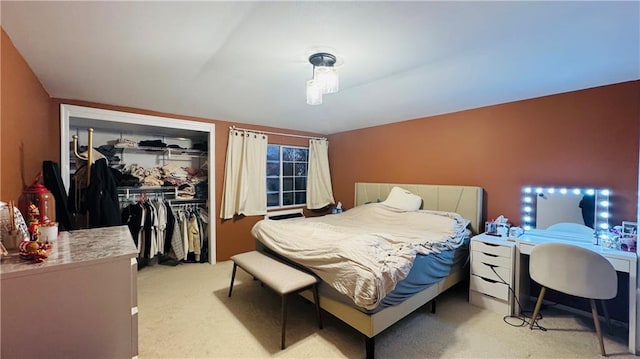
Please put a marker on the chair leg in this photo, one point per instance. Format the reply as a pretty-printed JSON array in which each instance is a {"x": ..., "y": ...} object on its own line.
[
  {"x": 605, "y": 311},
  {"x": 233, "y": 277},
  {"x": 537, "y": 309},
  {"x": 596, "y": 322},
  {"x": 284, "y": 319}
]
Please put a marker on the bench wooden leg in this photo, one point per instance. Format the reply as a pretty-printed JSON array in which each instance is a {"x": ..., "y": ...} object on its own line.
[
  {"x": 370, "y": 347},
  {"x": 233, "y": 277},
  {"x": 316, "y": 298},
  {"x": 284, "y": 319},
  {"x": 433, "y": 306}
]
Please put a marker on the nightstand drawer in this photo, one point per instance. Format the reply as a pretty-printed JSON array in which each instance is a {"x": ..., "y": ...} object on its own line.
[
  {"x": 491, "y": 259},
  {"x": 490, "y": 287},
  {"x": 503, "y": 251},
  {"x": 485, "y": 270}
]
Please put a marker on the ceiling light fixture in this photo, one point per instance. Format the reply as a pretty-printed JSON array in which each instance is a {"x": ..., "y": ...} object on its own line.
[{"x": 325, "y": 77}]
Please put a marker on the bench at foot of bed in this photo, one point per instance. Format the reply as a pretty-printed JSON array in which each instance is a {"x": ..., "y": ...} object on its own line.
[{"x": 283, "y": 279}]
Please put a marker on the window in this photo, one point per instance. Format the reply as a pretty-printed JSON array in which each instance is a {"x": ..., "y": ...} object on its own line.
[{"x": 286, "y": 175}]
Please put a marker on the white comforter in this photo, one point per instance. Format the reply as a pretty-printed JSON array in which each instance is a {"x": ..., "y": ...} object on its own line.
[{"x": 365, "y": 251}]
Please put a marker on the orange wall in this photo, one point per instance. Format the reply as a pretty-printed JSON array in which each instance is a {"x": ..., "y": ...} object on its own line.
[
  {"x": 27, "y": 135},
  {"x": 232, "y": 236},
  {"x": 582, "y": 138}
]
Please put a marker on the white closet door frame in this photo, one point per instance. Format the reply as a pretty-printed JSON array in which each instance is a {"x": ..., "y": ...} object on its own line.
[{"x": 69, "y": 111}]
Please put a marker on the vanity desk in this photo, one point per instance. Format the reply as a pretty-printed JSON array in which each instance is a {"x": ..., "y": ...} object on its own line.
[{"x": 622, "y": 261}]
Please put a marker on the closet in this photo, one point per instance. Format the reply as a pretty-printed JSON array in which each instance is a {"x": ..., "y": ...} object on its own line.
[{"x": 167, "y": 164}]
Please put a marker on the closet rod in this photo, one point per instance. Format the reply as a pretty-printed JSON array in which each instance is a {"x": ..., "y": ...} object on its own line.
[{"x": 277, "y": 133}]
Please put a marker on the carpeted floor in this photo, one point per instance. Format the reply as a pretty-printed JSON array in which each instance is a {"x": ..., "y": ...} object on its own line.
[{"x": 184, "y": 312}]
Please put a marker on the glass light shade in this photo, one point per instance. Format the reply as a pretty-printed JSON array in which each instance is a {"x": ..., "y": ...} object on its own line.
[
  {"x": 314, "y": 93},
  {"x": 327, "y": 78}
]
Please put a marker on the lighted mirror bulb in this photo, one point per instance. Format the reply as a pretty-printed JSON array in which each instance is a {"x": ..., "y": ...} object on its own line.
[
  {"x": 551, "y": 190},
  {"x": 604, "y": 226},
  {"x": 563, "y": 191},
  {"x": 527, "y": 190},
  {"x": 576, "y": 191},
  {"x": 590, "y": 192},
  {"x": 526, "y": 218},
  {"x": 539, "y": 190},
  {"x": 604, "y": 215},
  {"x": 527, "y": 209},
  {"x": 527, "y": 228},
  {"x": 604, "y": 192},
  {"x": 527, "y": 199},
  {"x": 604, "y": 203}
]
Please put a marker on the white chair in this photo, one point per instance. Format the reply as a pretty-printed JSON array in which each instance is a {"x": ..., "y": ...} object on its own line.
[{"x": 575, "y": 271}]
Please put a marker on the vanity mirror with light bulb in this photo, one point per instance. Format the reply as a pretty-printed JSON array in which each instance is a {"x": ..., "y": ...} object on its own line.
[
  {"x": 576, "y": 216},
  {"x": 565, "y": 213}
]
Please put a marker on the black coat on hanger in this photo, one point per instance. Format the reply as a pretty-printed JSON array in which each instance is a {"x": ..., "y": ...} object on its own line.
[
  {"x": 102, "y": 197},
  {"x": 53, "y": 181}
]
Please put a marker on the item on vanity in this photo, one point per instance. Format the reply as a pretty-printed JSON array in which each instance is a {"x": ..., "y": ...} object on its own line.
[
  {"x": 498, "y": 227},
  {"x": 34, "y": 250},
  {"x": 48, "y": 232},
  {"x": 515, "y": 232},
  {"x": 37, "y": 204},
  {"x": 13, "y": 228}
]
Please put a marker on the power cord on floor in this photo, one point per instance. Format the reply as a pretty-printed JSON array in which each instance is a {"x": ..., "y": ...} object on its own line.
[{"x": 524, "y": 318}]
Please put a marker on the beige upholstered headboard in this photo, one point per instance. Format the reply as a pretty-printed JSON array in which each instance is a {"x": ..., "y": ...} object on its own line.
[{"x": 464, "y": 200}]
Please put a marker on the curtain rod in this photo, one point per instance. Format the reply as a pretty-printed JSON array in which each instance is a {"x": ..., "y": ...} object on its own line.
[{"x": 277, "y": 133}]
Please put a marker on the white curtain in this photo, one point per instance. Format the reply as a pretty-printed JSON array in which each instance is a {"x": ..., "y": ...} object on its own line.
[
  {"x": 319, "y": 191},
  {"x": 245, "y": 173}
]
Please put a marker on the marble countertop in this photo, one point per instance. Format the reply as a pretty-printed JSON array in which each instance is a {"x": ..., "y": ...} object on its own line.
[{"x": 76, "y": 247}]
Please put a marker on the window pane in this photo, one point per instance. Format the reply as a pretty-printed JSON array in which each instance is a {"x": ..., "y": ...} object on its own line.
[
  {"x": 273, "y": 185},
  {"x": 287, "y": 153},
  {"x": 287, "y": 183},
  {"x": 287, "y": 169},
  {"x": 300, "y": 154},
  {"x": 273, "y": 153},
  {"x": 301, "y": 183},
  {"x": 286, "y": 180},
  {"x": 301, "y": 197},
  {"x": 273, "y": 168},
  {"x": 287, "y": 198},
  {"x": 273, "y": 200},
  {"x": 301, "y": 169}
]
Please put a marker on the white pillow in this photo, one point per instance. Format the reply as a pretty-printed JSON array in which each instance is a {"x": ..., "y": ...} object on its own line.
[{"x": 402, "y": 199}]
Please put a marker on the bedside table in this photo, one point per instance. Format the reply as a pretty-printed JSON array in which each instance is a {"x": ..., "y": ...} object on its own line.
[{"x": 492, "y": 273}]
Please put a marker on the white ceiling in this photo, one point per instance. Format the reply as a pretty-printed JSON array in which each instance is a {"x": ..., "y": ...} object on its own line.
[{"x": 247, "y": 61}]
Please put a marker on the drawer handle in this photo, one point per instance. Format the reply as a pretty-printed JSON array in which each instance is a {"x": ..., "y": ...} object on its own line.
[
  {"x": 489, "y": 280},
  {"x": 490, "y": 254},
  {"x": 491, "y": 244}
]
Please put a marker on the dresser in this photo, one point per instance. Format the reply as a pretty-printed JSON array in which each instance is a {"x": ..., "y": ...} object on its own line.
[
  {"x": 81, "y": 302},
  {"x": 491, "y": 282}
]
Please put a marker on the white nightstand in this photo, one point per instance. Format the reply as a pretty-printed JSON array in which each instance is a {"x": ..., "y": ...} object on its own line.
[{"x": 492, "y": 273}]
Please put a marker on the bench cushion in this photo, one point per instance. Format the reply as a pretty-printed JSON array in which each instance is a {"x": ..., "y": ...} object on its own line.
[{"x": 276, "y": 275}]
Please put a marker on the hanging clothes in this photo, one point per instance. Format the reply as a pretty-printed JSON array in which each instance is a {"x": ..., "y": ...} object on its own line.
[
  {"x": 193, "y": 233},
  {"x": 102, "y": 197},
  {"x": 177, "y": 245}
]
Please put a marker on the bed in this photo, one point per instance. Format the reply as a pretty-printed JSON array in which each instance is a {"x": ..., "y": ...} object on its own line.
[{"x": 369, "y": 313}]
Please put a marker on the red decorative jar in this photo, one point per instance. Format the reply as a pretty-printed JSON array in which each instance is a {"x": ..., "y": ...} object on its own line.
[{"x": 37, "y": 205}]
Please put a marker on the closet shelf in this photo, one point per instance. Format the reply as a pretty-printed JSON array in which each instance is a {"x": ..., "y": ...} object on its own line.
[{"x": 168, "y": 151}]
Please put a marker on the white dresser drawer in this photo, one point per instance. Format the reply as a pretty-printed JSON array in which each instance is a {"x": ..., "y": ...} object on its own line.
[
  {"x": 491, "y": 259},
  {"x": 486, "y": 270},
  {"x": 500, "y": 250},
  {"x": 490, "y": 287}
]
